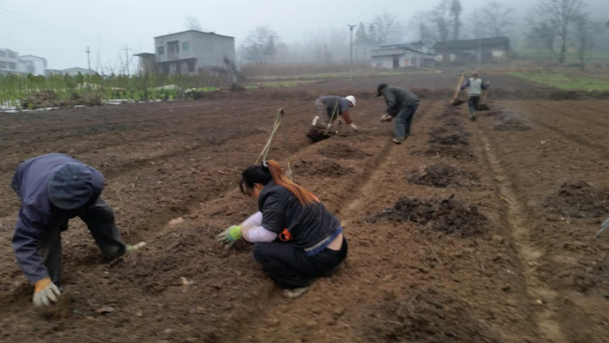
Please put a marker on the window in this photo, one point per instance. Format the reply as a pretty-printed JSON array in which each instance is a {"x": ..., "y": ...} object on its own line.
[
  {"x": 12, "y": 65},
  {"x": 2, "y": 65},
  {"x": 191, "y": 66},
  {"x": 12, "y": 55},
  {"x": 2, "y": 54},
  {"x": 186, "y": 47},
  {"x": 173, "y": 47},
  {"x": 160, "y": 50}
]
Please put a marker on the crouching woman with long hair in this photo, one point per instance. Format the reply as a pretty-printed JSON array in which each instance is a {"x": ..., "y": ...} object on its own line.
[{"x": 296, "y": 238}]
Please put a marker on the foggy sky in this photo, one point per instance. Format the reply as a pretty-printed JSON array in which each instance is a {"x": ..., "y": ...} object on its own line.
[{"x": 60, "y": 30}]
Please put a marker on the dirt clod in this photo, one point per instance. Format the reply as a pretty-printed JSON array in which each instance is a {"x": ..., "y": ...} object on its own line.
[
  {"x": 447, "y": 215},
  {"x": 317, "y": 134},
  {"x": 59, "y": 310},
  {"x": 426, "y": 316},
  {"x": 327, "y": 168},
  {"x": 442, "y": 175},
  {"x": 450, "y": 140},
  {"x": 579, "y": 199}
]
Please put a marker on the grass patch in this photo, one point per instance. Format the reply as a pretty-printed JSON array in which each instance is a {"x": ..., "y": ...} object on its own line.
[{"x": 563, "y": 81}]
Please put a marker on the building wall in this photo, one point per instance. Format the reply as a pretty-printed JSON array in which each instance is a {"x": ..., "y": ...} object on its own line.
[
  {"x": 9, "y": 61},
  {"x": 38, "y": 62},
  {"x": 209, "y": 50},
  {"x": 407, "y": 59}
]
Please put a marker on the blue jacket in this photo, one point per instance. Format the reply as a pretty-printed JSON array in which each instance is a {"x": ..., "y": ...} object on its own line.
[{"x": 37, "y": 214}]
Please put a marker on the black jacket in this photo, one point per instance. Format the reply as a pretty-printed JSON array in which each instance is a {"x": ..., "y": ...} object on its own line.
[
  {"x": 398, "y": 98},
  {"x": 281, "y": 210}
]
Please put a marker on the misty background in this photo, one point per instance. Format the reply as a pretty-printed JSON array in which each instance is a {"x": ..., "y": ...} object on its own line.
[{"x": 304, "y": 32}]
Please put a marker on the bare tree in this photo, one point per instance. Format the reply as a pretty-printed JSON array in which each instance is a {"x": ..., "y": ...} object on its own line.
[
  {"x": 260, "y": 44},
  {"x": 476, "y": 25},
  {"x": 441, "y": 16},
  {"x": 192, "y": 23},
  {"x": 498, "y": 18},
  {"x": 553, "y": 24},
  {"x": 387, "y": 28},
  {"x": 455, "y": 10},
  {"x": 585, "y": 30}
]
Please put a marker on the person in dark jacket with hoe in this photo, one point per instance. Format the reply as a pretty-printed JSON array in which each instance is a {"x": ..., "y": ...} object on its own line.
[
  {"x": 401, "y": 106},
  {"x": 296, "y": 238},
  {"x": 54, "y": 188},
  {"x": 474, "y": 87}
]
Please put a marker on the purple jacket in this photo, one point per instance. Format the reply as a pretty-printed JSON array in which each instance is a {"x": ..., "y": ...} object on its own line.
[{"x": 37, "y": 214}]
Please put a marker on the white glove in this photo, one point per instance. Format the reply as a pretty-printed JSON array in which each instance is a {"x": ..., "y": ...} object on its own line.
[
  {"x": 354, "y": 127},
  {"x": 329, "y": 126},
  {"x": 47, "y": 295},
  {"x": 315, "y": 120},
  {"x": 386, "y": 118}
]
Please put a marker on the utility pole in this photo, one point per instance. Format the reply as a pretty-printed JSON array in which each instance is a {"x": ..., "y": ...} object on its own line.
[
  {"x": 351, "y": 61},
  {"x": 127, "y": 59},
  {"x": 88, "y": 57}
]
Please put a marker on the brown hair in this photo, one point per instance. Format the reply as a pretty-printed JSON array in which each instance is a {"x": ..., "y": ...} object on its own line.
[{"x": 270, "y": 170}]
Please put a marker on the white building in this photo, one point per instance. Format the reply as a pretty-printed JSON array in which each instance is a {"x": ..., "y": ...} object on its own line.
[
  {"x": 71, "y": 71},
  {"x": 402, "y": 55},
  {"x": 12, "y": 63},
  {"x": 40, "y": 64}
]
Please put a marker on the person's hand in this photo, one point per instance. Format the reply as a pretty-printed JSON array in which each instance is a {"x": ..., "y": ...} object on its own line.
[
  {"x": 45, "y": 293},
  {"x": 329, "y": 126},
  {"x": 354, "y": 127},
  {"x": 231, "y": 235},
  {"x": 315, "y": 120}
]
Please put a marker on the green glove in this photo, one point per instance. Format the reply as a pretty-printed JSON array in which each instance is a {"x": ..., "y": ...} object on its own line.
[{"x": 230, "y": 235}]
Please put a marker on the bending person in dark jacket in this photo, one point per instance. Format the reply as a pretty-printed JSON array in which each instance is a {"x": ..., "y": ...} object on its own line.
[
  {"x": 401, "y": 105},
  {"x": 54, "y": 188},
  {"x": 296, "y": 239}
]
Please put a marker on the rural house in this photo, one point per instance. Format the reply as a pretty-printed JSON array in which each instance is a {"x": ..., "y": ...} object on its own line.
[
  {"x": 402, "y": 55},
  {"x": 12, "y": 63},
  {"x": 473, "y": 50},
  {"x": 190, "y": 52}
]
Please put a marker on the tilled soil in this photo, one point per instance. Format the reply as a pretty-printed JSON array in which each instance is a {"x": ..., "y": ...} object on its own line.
[
  {"x": 424, "y": 315},
  {"x": 447, "y": 215},
  {"x": 579, "y": 199},
  {"x": 172, "y": 172},
  {"x": 323, "y": 168},
  {"x": 443, "y": 175}
]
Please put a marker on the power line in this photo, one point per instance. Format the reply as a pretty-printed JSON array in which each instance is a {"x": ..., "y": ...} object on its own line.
[{"x": 30, "y": 23}]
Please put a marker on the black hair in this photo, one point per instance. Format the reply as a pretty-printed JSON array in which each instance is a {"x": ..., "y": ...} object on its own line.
[{"x": 270, "y": 170}]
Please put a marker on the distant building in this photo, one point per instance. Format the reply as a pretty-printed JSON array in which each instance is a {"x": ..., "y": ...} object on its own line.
[
  {"x": 402, "y": 55},
  {"x": 71, "y": 71},
  {"x": 190, "y": 52},
  {"x": 471, "y": 50},
  {"x": 11, "y": 63},
  {"x": 39, "y": 63}
]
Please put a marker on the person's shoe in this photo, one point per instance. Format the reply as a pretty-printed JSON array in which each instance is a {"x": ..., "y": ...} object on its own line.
[
  {"x": 295, "y": 293},
  {"x": 397, "y": 141}
]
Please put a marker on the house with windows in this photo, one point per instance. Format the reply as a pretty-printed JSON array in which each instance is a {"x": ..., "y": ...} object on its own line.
[
  {"x": 12, "y": 63},
  {"x": 190, "y": 52},
  {"x": 402, "y": 55},
  {"x": 39, "y": 63},
  {"x": 473, "y": 50}
]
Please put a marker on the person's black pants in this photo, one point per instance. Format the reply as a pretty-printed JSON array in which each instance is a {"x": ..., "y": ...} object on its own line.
[
  {"x": 473, "y": 104},
  {"x": 290, "y": 267}
]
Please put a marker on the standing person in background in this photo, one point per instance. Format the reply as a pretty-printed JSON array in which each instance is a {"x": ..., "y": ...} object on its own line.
[
  {"x": 401, "y": 106},
  {"x": 53, "y": 189},
  {"x": 329, "y": 109},
  {"x": 296, "y": 238},
  {"x": 474, "y": 87}
]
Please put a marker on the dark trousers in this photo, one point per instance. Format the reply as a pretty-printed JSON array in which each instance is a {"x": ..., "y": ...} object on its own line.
[
  {"x": 403, "y": 121},
  {"x": 290, "y": 267},
  {"x": 473, "y": 104},
  {"x": 100, "y": 222}
]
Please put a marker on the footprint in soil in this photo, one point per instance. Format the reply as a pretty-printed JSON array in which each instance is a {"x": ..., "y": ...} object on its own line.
[
  {"x": 342, "y": 151},
  {"x": 442, "y": 175}
]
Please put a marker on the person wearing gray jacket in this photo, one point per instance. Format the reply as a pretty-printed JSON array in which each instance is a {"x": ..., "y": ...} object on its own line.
[
  {"x": 474, "y": 87},
  {"x": 401, "y": 105},
  {"x": 53, "y": 189}
]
